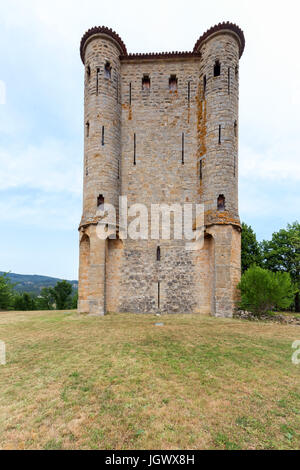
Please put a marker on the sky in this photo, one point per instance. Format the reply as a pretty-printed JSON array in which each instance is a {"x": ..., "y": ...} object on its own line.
[{"x": 41, "y": 113}]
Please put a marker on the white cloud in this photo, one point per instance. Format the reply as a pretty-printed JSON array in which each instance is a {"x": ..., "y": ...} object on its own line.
[
  {"x": 279, "y": 162},
  {"x": 52, "y": 166},
  {"x": 268, "y": 200},
  {"x": 40, "y": 210},
  {"x": 2, "y": 92},
  {"x": 11, "y": 123}
]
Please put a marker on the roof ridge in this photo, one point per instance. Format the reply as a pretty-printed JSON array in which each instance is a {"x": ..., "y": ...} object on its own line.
[{"x": 137, "y": 55}]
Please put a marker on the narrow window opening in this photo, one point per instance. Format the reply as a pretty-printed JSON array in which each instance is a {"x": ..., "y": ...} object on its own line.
[
  {"x": 221, "y": 203},
  {"x": 87, "y": 128},
  {"x": 204, "y": 84},
  {"x": 100, "y": 200},
  {"x": 103, "y": 136},
  {"x": 107, "y": 70},
  {"x": 130, "y": 93},
  {"x": 220, "y": 135},
  {"x": 158, "y": 254},
  {"x": 173, "y": 83},
  {"x": 236, "y": 71},
  {"x": 97, "y": 80},
  {"x": 134, "y": 150},
  {"x": 229, "y": 80},
  {"x": 189, "y": 92},
  {"x": 235, "y": 129},
  {"x": 146, "y": 83},
  {"x": 234, "y": 166},
  {"x": 87, "y": 172},
  {"x": 217, "y": 69},
  {"x": 158, "y": 294},
  {"x": 182, "y": 151},
  {"x": 88, "y": 72},
  {"x": 201, "y": 170}
]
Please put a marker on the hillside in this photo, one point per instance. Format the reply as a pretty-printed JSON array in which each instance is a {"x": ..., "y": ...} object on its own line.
[{"x": 34, "y": 284}]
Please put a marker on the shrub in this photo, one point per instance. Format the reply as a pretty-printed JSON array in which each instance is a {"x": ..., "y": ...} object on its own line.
[
  {"x": 263, "y": 291},
  {"x": 24, "y": 302},
  {"x": 62, "y": 293},
  {"x": 75, "y": 301},
  {"x": 251, "y": 251},
  {"x": 46, "y": 300},
  {"x": 5, "y": 292}
]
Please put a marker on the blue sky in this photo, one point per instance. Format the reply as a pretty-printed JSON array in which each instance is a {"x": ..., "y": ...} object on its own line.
[{"x": 41, "y": 131}]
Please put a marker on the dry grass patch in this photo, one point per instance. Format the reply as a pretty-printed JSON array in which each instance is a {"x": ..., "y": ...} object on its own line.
[{"x": 119, "y": 382}]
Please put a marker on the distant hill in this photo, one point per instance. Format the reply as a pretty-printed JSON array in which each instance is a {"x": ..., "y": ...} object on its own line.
[{"x": 34, "y": 284}]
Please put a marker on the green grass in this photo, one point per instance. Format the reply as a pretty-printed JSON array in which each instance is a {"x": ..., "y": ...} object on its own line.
[{"x": 119, "y": 382}]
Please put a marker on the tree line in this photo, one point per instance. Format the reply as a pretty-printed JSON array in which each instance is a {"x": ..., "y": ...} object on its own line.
[
  {"x": 270, "y": 280},
  {"x": 271, "y": 270},
  {"x": 59, "y": 297}
]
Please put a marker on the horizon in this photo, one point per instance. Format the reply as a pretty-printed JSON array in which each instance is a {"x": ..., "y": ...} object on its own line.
[{"x": 38, "y": 275}]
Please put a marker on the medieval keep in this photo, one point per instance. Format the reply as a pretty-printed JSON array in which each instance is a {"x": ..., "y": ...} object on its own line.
[{"x": 161, "y": 128}]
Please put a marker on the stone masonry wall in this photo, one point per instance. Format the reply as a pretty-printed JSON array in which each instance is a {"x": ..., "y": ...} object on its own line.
[
  {"x": 158, "y": 118},
  {"x": 218, "y": 107},
  {"x": 161, "y": 146}
]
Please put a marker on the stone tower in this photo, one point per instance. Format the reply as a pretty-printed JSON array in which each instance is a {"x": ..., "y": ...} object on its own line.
[{"x": 161, "y": 128}]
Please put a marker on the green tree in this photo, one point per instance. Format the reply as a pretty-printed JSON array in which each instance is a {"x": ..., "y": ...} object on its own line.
[
  {"x": 46, "y": 299},
  {"x": 62, "y": 293},
  {"x": 263, "y": 290},
  {"x": 282, "y": 254},
  {"x": 5, "y": 292},
  {"x": 75, "y": 301},
  {"x": 24, "y": 302},
  {"x": 251, "y": 252}
]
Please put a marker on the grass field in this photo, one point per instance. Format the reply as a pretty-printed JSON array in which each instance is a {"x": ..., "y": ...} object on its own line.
[{"x": 120, "y": 382}]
